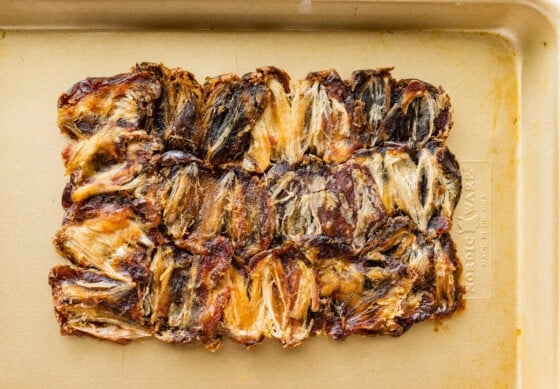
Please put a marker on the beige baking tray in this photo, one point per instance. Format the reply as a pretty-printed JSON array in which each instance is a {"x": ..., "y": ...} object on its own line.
[{"x": 497, "y": 59}]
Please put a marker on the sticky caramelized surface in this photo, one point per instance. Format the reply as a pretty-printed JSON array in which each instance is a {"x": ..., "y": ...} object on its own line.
[{"x": 255, "y": 207}]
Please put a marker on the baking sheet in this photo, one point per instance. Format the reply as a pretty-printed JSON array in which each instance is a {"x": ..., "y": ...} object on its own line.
[{"x": 503, "y": 87}]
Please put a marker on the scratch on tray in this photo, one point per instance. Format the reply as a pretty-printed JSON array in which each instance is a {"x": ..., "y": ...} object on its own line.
[{"x": 3, "y": 34}]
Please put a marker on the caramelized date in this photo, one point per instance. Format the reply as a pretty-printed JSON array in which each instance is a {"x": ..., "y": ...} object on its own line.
[{"x": 255, "y": 207}]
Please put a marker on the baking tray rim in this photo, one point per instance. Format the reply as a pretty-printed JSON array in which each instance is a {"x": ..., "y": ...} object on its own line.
[{"x": 519, "y": 34}]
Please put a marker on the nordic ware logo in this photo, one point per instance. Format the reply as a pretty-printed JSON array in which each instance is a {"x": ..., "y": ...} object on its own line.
[{"x": 473, "y": 229}]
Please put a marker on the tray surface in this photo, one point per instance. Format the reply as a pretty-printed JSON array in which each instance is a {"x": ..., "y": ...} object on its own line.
[{"x": 503, "y": 91}]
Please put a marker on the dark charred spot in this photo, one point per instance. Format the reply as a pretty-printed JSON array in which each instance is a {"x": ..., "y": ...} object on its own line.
[
  {"x": 439, "y": 224},
  {"x": 88, "y": 125},
  {"x": 67, "y": 195},
  {"x": 103, "y": 160},
  {"x": 423, "y": 187},
  {"x": 177, "y": 285},
  {"x": 176, "y": 157}
]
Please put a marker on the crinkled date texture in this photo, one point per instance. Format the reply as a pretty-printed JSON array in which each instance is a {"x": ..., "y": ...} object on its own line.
[{"x": 255, "y": 207}]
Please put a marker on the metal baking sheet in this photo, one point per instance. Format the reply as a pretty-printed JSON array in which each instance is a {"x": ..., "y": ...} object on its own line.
[{"x": 498, "y": 60}]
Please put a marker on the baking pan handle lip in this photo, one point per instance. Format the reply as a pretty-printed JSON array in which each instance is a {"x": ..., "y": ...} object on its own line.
[
  {"x": 275, "y": 14},
  {"x": 550, "y": 9}
]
